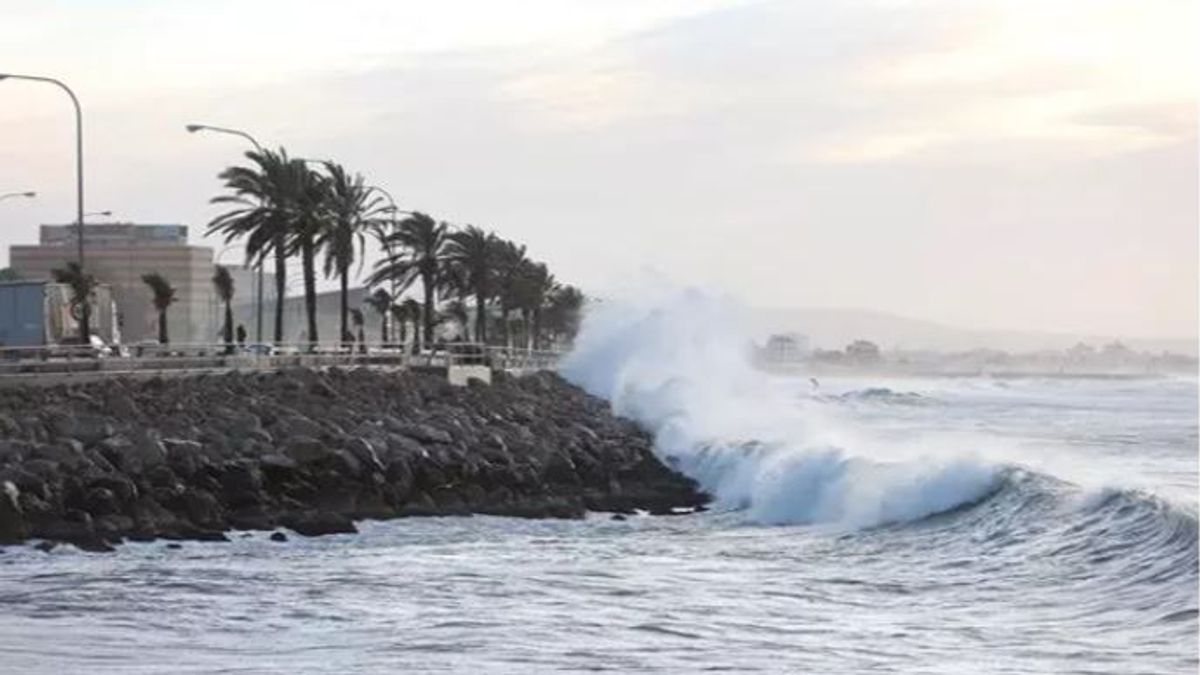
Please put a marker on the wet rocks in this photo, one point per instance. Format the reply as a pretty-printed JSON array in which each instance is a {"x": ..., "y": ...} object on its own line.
[{"x": 190, "y": 458}]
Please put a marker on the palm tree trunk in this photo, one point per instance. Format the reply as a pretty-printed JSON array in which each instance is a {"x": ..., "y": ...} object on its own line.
[
  {"x": 162, "y": 327},
  {"x": 345, "y": 302},
  {"x": 280, "y": 286},
  {"x": 228, "y": 327},
  {"x": 427, "y": 314},
  {"x": 505, "y": 327},
  {"x": 383, "y": 332},
  {"x": 85, "y": 321},
  {"x": 308, "y": 260},
  {"x": 528, "y": 331},
  {"x": 480, "y": 327},
  {"x": 537, "y": 329}
]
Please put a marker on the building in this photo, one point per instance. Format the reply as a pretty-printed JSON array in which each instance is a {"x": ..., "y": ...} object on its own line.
[
  {"x": 329, "y": 316},
  {"x": 35, "y": 313},
  {"x": 118, "y": 254},
  {"x": 245, "y": 302}
]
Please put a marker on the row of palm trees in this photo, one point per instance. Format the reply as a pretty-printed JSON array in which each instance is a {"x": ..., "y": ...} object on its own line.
[
  {"x": 282, "y": 207},
  {"x": 82, "y": 286}
]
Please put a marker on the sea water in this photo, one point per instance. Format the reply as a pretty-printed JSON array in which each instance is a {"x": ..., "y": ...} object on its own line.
[{"x": 860, "y": 524}]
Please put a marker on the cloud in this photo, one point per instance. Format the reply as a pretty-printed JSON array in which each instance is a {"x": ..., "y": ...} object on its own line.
[{"x": 901, "y": 155}]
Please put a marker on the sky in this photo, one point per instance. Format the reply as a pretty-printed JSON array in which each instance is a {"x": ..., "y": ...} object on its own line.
[{"x": 983, "y": 163}]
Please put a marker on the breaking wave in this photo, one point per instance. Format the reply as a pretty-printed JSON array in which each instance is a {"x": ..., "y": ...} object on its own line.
[{"x": 677, "y": 365}]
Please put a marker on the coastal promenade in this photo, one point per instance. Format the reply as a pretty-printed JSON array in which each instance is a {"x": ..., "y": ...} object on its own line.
[{"x": 58, "y": 365}]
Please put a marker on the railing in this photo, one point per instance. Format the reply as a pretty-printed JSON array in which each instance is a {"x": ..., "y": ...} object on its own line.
[{"x": 68, "y": 359}]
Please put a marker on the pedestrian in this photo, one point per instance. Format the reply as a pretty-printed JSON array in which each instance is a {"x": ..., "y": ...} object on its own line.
[{"x": 241, "y": 335}]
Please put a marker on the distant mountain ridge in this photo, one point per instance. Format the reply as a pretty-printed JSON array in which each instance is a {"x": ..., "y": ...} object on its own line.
[{"x": 835, "y": 328}]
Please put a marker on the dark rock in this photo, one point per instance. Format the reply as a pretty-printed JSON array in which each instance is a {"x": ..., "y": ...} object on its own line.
[
  {"x": 144, "y": 453},
  {"x": 242, "y": 482},
  {"x": 100, "y": 501},
  {"x": 92, "y": 545},
  {"x": 424, "y": 433},
  {"x": 202, "y": 508},
  {"x": 278, "y": 536},
  {"x": 252, "y": 517},
  {"x": 316, "y": 523},
  {"x": 190, "y": 458},
  {"x": 306, "y": 449},
  {"x": 114, "y": 526},
  {"x": 12, "y": 518}
]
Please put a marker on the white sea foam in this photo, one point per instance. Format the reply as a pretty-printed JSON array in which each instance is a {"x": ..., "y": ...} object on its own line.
[{"x": 675, "y": 362}]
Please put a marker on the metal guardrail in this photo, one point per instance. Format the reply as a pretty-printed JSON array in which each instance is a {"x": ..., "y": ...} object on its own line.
[{"x": 71, "y": 359}]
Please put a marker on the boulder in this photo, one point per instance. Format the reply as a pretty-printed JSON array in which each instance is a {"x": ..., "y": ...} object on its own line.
[
  {"x": 316, "y": 523},
  {"x": 101, "y": 501},
  {"x": 145, "y": 453},
  {"x": 424, "y": 433},
  {"x": 306, "y": 449},
  {"x": 242, "y": 482}
]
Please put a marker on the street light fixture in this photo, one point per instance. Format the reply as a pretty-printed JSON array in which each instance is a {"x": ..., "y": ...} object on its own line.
[
  {"x": 98, "y": 213},
  {"x": 31, "y": 194},
  {"x": 193, "y": 128},
  {"x": 85, "y": 311},
  {"x": 258, "y": 300}
]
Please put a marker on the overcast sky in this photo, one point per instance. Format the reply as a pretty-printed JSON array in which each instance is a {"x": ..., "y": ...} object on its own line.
[{"x": 989, "y": 163}]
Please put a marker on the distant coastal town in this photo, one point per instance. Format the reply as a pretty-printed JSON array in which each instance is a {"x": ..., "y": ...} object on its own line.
[{"x": 790, "y": 352}]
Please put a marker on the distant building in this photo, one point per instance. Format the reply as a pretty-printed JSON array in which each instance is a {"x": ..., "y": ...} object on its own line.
[
  {"x": 245, "y": 302},
  {"x": 118, "y": 254},
  {"x": 295, "y": 318},
  {"x": 786, "y": 348}
]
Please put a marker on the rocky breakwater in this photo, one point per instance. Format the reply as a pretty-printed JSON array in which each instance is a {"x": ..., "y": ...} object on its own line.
[{"x": 192, "y": 458}]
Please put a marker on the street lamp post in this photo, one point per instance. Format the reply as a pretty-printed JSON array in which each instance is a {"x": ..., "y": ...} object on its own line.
[
  {"x": 258, "y": 299},
  {"x": 84, "y": 321},
  {"x": 28, "y": 195}
]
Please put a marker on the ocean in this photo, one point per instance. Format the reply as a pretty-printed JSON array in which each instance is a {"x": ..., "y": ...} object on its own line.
[{"x": 859, "y": 524}]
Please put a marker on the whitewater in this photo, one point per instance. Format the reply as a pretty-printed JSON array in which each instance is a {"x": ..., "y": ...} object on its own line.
[{"x": 858, "y": 524}]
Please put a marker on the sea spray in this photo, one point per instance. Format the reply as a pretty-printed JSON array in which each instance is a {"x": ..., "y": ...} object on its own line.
[{"x": 677, "y": 363}]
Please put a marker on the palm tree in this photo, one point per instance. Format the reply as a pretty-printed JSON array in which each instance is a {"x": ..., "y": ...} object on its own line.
[
  {"x": 262, "y": 197},
  {"x": 399, "y": 316},
  {"x": 413, "y": 312},
  {"x": 456, "y": 311},
  {"x": 351, "y": 209},
  {"x": 535, "y": 284},
  {"x": 472, "y": 252},
  {"x": 164, "y": 295},
  {"x": 564, "y": 309},
  {"x": 509, "y": 264},
  {"x": 308, "y": 221},
  {"x": 223, "y": 284},
  {"x": 381, "y": 302},
  {"x": 416, "y": 250},
  {"x": 81, "y": 285}
]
